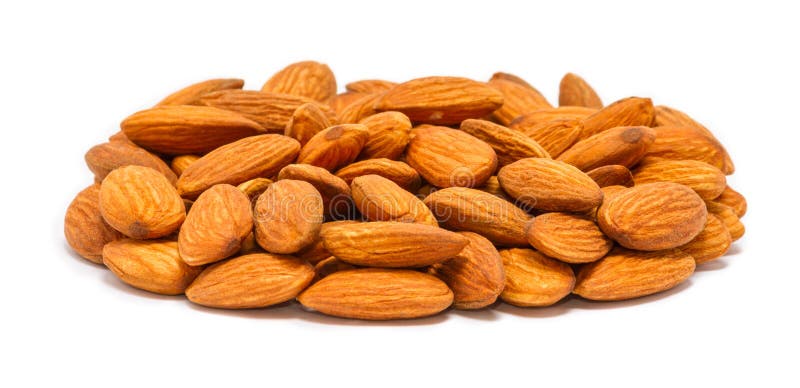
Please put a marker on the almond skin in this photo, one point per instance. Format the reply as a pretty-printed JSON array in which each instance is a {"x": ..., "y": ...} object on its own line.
[
  {"x": 316, "y": 252},
  {"x": 238, "y": 162},
  {"x": 340, "y": 102},
  {"x": 270, "y": 110},
  {"x": 549, "y": 185},
  {"x": 734, "y": 199},
  {"x": 510, "y": 77},
  {"x": 392, "y": 244},
  {"x": 472, "y": 210},
  {"x": 666, "y": 116},
  {"x": 389, "y": 133},
  {"x": 191, "y": 94},
  {"x": 575, "y": 91},
  {"x": 627, "y": 112},
  {"x": 492, "y": 186},
  {"x": 251, "y": 281},
  {"x": 568, "y": 237},
  {"x": 653, "y": 216},
  {"x": 447, "y": 157},
  {"x": 180, "y": 163},
  {"x": 152, "y": 265},
  {"x": 308, "y": 79},
  {"x": 254, "y": 187},
  {"x": 708, "y": 181},
  {"x": 624, "y": 146},
  {"x": 441, "y": 100},
  {"x": 475, "y": 275},
  {"x": 380, "y": 199},
  {"x": 533, "y": 279},
  {"x": 329, "y": 266},
  {"x": 336, "y": 199},
  {"x": 185, "y": 129},
  {"x": 141, "y": 203},
  {"x": 398, "y": 172},
  {"x": 688, "y": 143},
  {"x": 334, "y": 147},
  {"x": 84, "y": 227},
  {"x": 306, "y": 121},
  {"x": 103, "y": 158},
  {"x": 554, "y": 136},
  {"x": 370, "y": 86},
  {"x": 378, "y": 294},
  {"x": 508, "y": 144},
  {"x": 712, "y": 242},
  {"x": 728, "y": 217},
  {"x": 626, "y": 274},
  {"x": 359, "y": 109},
  {"x": 288, "y": 216},
  {"x": 611, "y": 175},
  {"x": 216, "y": 226},
  {"x": 517, "y": 100},
  {"x": 545, "y": 115}
]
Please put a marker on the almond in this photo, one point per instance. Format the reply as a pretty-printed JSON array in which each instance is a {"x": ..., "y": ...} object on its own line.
[
  {"x": 180, "y": 163},
  {"x": 216, "y": 225},
  {"x": 728, "y": 217},
  {"x": 688, "y": 143},
  {"x": 270, "y": 110},
  {"x": 626, "y": 274},
  {"x": 611, "y": 175},
  {"x": 388, "y": 135},
  {"x": 712, "y": 242},
  {"x": 380, "y": 199},
  {"x": 533, "y": 279},
  {"x": 254, "y": 187},
  {"x": 568, "y": 237},
  {"x": 554, "y": 136},
  {"x": 84, "y": 227},
  {"x": 306, "y": 121},
  {"x": 340, "y": 102},
  {"x": 653, "y": 216},
  {"x": 541, "y": 116},
  {"x": 508, "y": 144},
  {"x": 308, "y": 79},
  {"x": 510, "y": 77},
  {"x": 575, "y": 91},
  {"x": 378, "y": 294},
  {"x": 251, "y": 281},
  {"x": 492, "y": 186},
  {"x": 398, "y": 172},
  {"x": 517, "y": 100},
  {"x": 238, "y": 162},
  {"x": 334, "y": 147},
  {"x": 624, "y": 146},
  {"x": 473, "y": 210},
  {"x": 288, "y": 216},
  {"x": 627, "y": 112},
  {"x": 448, "y": 157},
  {"x": 329, "y": 266},
  {"x": 184, "y": 129},
  {"x": 335, "y": 192},
  {"x": 708, "y": 181},
  {"x": 152, "y": 265},
  {"x": 732, "y": 198},
  {"x": 441, "y": 100},
  {"x": 370, "y": 86},
  {"x": 669, "y": 117},
  {"x": 316, "y": 252},
  {"x": 191, "y": 94},
  {"x": 141, "y": 203},
  {"x": 392, "y": 244},
  {"x": 103, "y": 158},
  {"x": 549, "y": 185},
  {"x": 359, "y": 109}
]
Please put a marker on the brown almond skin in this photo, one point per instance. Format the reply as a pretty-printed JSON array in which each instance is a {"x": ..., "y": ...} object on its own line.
[
  {"x": 104, "y": 158},
  {"x": 378, "y": 294},
  {"x": 575, "y": 91},
  {"x": 254, "y": 187},
  {"x": 728, "y": 217},
  {"x": 554, "y": 136},
  {"x": 191, "y": 94},
  {"x": 654, "y": 216},
  {"x": 624, "y": 146},
  {"x": 380, "y": 199},
  {"x": 611, "y": 175},
  {"x": 370, "y": 86},
  {"x": 316, "y": 252},
  {"x": 492, "y": 186},
  {"x": 447, "y": 157},
  {"x": 508, "y": 144},
  {"x": 334, "y": 147},
  {"x": 472, "y": 210},
  {"x": 533, "y": 279},
  {"x": 235, "y": 163},
  {"x": 517, "y": 100},
  {"x": 306, "y": 121},
  {"x": 510, "y": 77},
  {"x": 475, "y": 275},
  {"x": 251, "y": 281},
  {"x": 84, "y": 227},
  {"x": 626, "y": 274},
  {"x": 627, "y": 112},
  {"x": 666, "y": 116},
  {"x": 392, "y": 244},
  {"x": 359, "y": 109},
  {"x": 337, "y": 201},
  {"x": 568, "y": 237},
  {"x": 389, "y": 133},
  {"x": 186, "y": 129},
  {"x": 688, "y": 143},
  {"x": 270, "y": 110},
  {"x": 398, "y": 172},
  {"x": 708, "y": 181},
  {"x": 308, "y": 79},
  {"x": 216, "y": 225},
  {"x": 549, "y": 185},
  {"x": 330, "y": 265},
  {"x": 546, "y": 115},
  {"x": 342, "y": 101},
  {"x": 151, "y": 265},
  {"x": 441, "y": 100},
  {"x": 288, "y": 216},
  {"x": 180, "y": 163},
  {"x": 734, "y": 199},
  {"x": 712, "y": 242},
  {"x": 141, "y": 203}
]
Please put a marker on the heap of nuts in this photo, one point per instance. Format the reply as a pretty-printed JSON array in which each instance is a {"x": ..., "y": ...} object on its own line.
[{"x": 401, "y": 200}]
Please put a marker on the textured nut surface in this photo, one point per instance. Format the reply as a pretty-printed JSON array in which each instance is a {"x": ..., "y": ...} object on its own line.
[
  {"x": 306, "y": 121},
  {"x": 104, "y": 158},
  {"x": 611, "y": 175},
  {"x": 711, "y": 243},
  {"x": 308, "y": 79},
  {"x": 575, "y": 91},
  {"x": 389, "y": 133},
  {"x": 568, "y": 237},
  {"x": 631, "y": 111},
  {"x": 518, "y": 99},
  {"x": 623, "y": 146},
  {"x": 335, "y": 192},
  {"x": 288, "y": 216},
  {"x": 475, "y": 275},
  {"x": 549, "y": 185},
  {"x": 706, "y": 180},
  {"x": 151, "y": 265},
  {"x": 447, "y": 157},
  {"x": 272, "y": 111},
  {"x": 666, "y": 116},
  {"x": 554, "y": 136},
  {"x": 84, "y": 227},
  {"x": 398, "y": 172},
  {"x": 334, "y": 147},
  {"x": 508, "y": 144},
  {"x": 380, "y": 199},
  {"x": 533, "y": 279},
  {"x": 191, "y": 94}
]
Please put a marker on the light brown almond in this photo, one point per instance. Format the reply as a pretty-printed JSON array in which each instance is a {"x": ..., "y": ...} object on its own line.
[
  {"x": 708, "y": 181},
  {"x": 447, "y": 157},
  {"x": 152, "y": 265},
  {"x": 380, "y": 199},
  {"x": 533, "y": 279},
  {"x": 611, "y": 175},
  {"x": 388, "y": 135},
  {"x": 712, "y": 242},
  {"x": 508, "y": 144},
  {"x": 568, "y": 237},
  {"x": 623, "y": 146},
  {"x": 316, "y": 252},
  {"x": 103, "y": 158},
  {"x": 370, "y": 86},
  {"x": 288, "y": 216},
  {"x": 191, "y": 94},
  {"x": 688, "y": 143},
  {"x": 575, "y": 91},
  {"x": 359, "y": 109},
  {"x": 340, "y": 102},
  {"x": 475, "y": 275},
  {"x": 306, "y": 121},
  {"x": 254, "y": 187},
  {"x": 84, "y": 227},
  {"x": 398, "y": 172},
  {"x": 308, "y": 79},
  {"x": 337, "y": 202},
  {"x": 518, "y": 100},
  {"x": 554, "y": 136},
  {"x": 334, "y": 147},
  {"x": 270, "y": 110},
  {"x": 545, "y": 115},
  {"x": 510, "y": 77},
  {"x": 180, "y": 163},
  {"x": 734, "y": 199},
  {"x": 627, "y": 112},
  {"x": 329, "y": 266},
  {"x": 549, "y": 185},
  {"x": 728, "y": 217}
]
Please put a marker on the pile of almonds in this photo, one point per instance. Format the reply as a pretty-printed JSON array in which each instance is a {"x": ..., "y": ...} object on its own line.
[{"x": 401, "y": 200}]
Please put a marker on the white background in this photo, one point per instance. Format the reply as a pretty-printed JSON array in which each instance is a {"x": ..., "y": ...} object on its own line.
[{"x": 71, "y": 71}]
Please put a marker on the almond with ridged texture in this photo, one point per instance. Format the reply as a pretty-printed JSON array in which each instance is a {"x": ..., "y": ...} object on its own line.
[
  {"x": 626, "y": 274},
  {"x": 670, "y": 117},
  {"x": 389, "y": 133},
  {"x": 380, "y": 199},
  {"x": 316, "y": 252},
  {"x": 398, "y": 172},
  {"x": 554, "y": 136},
  {"x": 688, "y": 143},
  {"x": 392, "y": 244},
  {"x": 254, "y": 187},
  {"x": 141, "y": 203},
  {"x": 510, "y": 77},
  {"x": 288, "y": 216},
  {"x": 654, "y": 216},
  {"x": 84, "y": 227},
  {"x": 708, "y": 181},
  {"x": 306, "y": 121},
  {"x": 611, "y": 175},
  {"x": 103, "y": 158},
  {"x": 378, "y": 294},
  {"x": 575, "y": 91},
  {"x": 254, "y": 157},
  {"x": 492, "y": 186},
  {"x": 712, "y": 243},
  {"x": 151, "y": 265},
  {"x": 185, "y": 129},
  {"x": 734, "y": 199},
  {"x": 627, "y": 112},
  {"x": 370, "y": 86},
  {"x": 472, "y": 210},
  {"x": 475, "y": 275},
  {"x": 329, "y": 266},
  {"x": 359, "y": 109},
  {"x": 335, "y": 192},
  {"x": 728, "y": 217},
  {"x": 447, "y": 157},
  {"x": 508, "y": 144},
  {"x": 334, "y": 147},
  {"x": 216, "y": 225},
  {"x": 441, "y": 100},
  {"x": 251, "y": 281},
  {"x": 549, "y": 185},
  {"x": 624, "y": 146},
  {"x": 568, "y": 237},
  {"x": 180, "y": 163},
  {"x": 517, "y": 100},
  {"x": 191, "y": 94},
  {"x": 533, "y": 279},
  {"x": 270, "y": 110},
  {"x": 308, "y": 79},
  {"x": 341, "y": 101},
  {"x": 541, "y": 116}
]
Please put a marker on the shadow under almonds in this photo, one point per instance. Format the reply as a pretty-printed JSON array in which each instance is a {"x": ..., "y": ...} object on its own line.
[
  {"x": 714, "y": 265},
  {"x": 80, "y": 259},
  {"x": 560, "y": 308},
  {"x": 286, "y": 310},
  {"x": 488, "y": 313}
]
